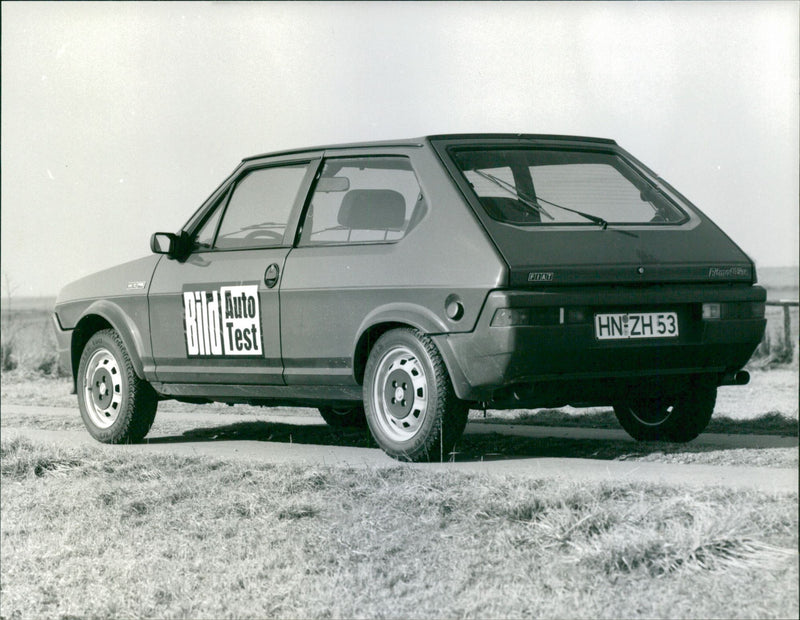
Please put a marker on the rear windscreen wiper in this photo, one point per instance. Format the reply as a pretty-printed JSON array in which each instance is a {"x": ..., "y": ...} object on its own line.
[
  {"x": 526, "y": 200},
  {"x": 592, "y": 218},
  {"x": 535, "y": 203}
]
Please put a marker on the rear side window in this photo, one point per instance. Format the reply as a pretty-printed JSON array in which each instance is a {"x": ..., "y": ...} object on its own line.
[
  {"x": 259, "y": 207},
  {"x": 533, "y": 187},
  {"x": 363, "y": 200}
]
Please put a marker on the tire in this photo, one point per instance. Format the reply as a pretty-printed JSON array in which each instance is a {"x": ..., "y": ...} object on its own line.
[
  {"x": 678, "y": 419},
  {"x": 411, "y": 407},
  {"x": 116, "y": 405},
  {"x": 341, "y": 417}
]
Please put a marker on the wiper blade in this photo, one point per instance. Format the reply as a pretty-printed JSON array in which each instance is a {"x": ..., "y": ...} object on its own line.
[
  {"x": 526, "y": 200},
  {"x": 592, "y": 218},
  {"x": 535, "y": 203}
]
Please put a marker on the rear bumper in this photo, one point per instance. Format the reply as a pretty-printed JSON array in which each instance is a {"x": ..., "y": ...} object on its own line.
[{"x": 566, "y": 362}]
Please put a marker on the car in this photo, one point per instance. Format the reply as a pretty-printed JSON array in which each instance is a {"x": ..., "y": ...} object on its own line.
[{"x": 397, "y": 285}]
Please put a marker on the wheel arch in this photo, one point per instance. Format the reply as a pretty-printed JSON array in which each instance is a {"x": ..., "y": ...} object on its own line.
[
  {"x": 365, "y": 343},
  {"x": 386, "y": 318},
  {"x": 106, "y": 315}
]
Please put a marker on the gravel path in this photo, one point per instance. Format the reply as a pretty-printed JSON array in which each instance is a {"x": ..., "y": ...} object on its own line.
[{"x": 765, "y": 479}]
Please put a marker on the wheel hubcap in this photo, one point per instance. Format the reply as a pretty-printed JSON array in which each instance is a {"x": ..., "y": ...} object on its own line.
[
  {"x": 653, "y": 413},
  {"x": 103, "y": 388},
  {"x": 400, "y": 395}
]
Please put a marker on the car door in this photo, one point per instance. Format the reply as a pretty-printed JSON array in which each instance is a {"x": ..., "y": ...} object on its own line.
[
  {"x": 350, "y": 260},
  {"x": 215, "y": 316}
]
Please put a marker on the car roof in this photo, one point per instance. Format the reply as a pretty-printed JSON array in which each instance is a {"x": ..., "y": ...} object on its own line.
[{"x": 419, "y": 142}]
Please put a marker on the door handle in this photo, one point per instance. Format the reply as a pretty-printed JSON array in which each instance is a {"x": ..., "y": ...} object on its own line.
[{"x": 271, "y": 275}]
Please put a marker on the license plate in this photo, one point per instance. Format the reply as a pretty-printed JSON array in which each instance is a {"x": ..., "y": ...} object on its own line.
[{"x": 622, "y": 326}]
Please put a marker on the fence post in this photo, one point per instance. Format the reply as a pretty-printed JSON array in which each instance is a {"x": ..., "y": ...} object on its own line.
[
  {"x": 787, "y": 329},
  {"x": 787, "y": 348}
]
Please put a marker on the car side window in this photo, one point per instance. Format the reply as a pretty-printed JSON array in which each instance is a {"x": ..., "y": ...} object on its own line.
[
  {"x": 363, "y": 200},
  {"x": 204, "y": 238},
  {"x": 259, "y": 207}
]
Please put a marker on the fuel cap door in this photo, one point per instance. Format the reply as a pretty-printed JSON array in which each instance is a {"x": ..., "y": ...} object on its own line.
[{"x": 271, "y": 275}]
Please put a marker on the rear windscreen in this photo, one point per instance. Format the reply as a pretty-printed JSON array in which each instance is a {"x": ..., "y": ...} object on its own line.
[{"x": 525, "y": 186}]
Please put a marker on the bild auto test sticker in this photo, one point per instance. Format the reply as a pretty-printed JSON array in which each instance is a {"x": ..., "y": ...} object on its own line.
[{"x": 222, "y": 321}]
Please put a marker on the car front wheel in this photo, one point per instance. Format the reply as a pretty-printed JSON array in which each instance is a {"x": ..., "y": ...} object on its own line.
[
  {"x": 411, "y": 407},
  {"x": 679, "y": 418},
  {"x": 116, "y": 405}
]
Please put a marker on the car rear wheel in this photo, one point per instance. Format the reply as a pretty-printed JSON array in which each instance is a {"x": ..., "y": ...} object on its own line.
[
  {"x": 411, "y": 407},
  {"x": 679, "y": 418},
  {"x": 116, "y": 405},
  {"x": 344, "y": 416}
]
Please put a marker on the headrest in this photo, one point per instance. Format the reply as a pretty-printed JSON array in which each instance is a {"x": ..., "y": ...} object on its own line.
[{"x": 373, "y": 209}]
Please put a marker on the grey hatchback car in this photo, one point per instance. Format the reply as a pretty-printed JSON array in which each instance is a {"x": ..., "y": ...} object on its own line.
[{"x": 399, "y": 284}]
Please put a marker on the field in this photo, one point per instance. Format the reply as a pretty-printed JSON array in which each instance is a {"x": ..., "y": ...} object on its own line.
[
  {"x": 780, "y": 282},
  {"x": 94, "y": 533},
  {"x": 90, "y": 531}
]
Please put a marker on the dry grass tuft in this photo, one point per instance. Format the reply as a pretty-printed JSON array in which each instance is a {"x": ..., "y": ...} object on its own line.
[
  {"x": 22, "y": 459},
  {"x": 203, "y": 538}
]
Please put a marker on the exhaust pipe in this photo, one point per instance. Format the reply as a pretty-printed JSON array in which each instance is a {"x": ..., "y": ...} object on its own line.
[{"x": 741, "y": 377}]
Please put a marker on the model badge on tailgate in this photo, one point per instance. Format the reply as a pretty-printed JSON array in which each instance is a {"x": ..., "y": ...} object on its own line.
[
  {"x": 540, "y": 276},
  {"x": 728, "y": 272}
]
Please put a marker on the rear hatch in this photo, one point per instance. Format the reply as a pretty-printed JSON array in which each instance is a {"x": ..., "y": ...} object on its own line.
[
  {"x": 686, "y": 255},
  {"x": 581, "y": 211}
]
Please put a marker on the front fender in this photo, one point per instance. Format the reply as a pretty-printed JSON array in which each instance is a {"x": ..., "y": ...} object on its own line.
[{"x": 126, "y": 324}]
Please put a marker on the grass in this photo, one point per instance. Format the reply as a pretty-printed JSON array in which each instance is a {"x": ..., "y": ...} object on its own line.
[
  {"x": 775, "y": 350},
  {"x": 99, "y": 532},
  {"x": 92, "y": 532},
  {"x": 27, "y": 342}
]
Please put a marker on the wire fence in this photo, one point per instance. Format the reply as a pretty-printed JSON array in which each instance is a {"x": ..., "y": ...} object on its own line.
[
  {"x": 787, "y": 306},
  {"x": 778, "y": 344}
]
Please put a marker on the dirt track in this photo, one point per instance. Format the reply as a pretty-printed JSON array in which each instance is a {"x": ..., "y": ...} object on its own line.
[{"x": 766, "y": 479}]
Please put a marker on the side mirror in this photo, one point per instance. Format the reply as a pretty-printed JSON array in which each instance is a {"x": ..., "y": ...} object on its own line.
[{"x": 164, "y": 243}]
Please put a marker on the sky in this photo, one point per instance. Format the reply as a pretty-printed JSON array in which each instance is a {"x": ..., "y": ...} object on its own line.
[{"x": 119, "y": 119}]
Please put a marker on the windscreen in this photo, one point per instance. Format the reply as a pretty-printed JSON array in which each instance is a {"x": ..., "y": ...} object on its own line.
[{"x": 533, "y": 187}]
